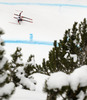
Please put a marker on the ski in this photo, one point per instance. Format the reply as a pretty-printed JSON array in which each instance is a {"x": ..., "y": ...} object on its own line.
[
  {"x": 24, "y": 20},
  {"x": 26, "y": 17},
  {"x": 14, "y": 23},
  {"x": 27, "y": 21},
  {"x": 23, "y": 17},
  {"x": 15, "y": 17}
]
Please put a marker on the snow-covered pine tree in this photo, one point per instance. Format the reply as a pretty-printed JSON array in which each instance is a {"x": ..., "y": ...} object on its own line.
[
  {"x": 71, "y": 52},
  {"x": 26, "y": 80},
  {"x": 77, "y": 45},
  {"x": 44, "y": 68},
  {"x": 69, "y": 48},
  {"x": 82, "y": 56},
  {"x": 53, "y": 63},
  {"x": 16, "y": 66},
  {"x": 6, "y": 86},
  {"x": 57, "y": 59},
  {"x": 30, "y": 66},
  {"x": 67, "y": 86}
]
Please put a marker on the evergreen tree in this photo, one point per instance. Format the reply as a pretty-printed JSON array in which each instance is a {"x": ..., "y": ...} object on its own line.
[
  {"x": 74, "y": 87},
  {"x": 15, "y": 65},
  {"x": 83, "y": 42},
  {"x": 57, "y": 60},
  {"x": 53, "y": 62},
  {"x": 5, "y": 82},
  {"x": 45, "y": 70},
  {"x": 39, "y": 69},
  {"x": 30, "y": 66},
  {"x": 71, "y": 52}
]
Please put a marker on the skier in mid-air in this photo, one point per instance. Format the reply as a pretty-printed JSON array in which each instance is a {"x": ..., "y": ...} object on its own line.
[{"x": 20, "y": 17}]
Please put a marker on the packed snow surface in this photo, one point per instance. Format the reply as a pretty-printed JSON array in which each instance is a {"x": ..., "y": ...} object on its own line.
[{"x": 22, "y": 94}]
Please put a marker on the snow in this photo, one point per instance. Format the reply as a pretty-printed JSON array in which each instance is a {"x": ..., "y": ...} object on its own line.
[
  {"x": 38, "y": 94},
  {"x": 83, "y": 2},
  {"x": 57, "y": 80},
  {"x": 19, "y": 61},
  {"x": 34, "y": 82},
  {"x": 49, "y": 24},
  {"x": 81, "y": 95},
  {"x": 19, "y": 71},
  {"x": 1, "y": 48},
  {"x": 3, "y": 77},
  {"x": 79, "y": 77},
  {"x": 1, "y": 40},
  {"x": 7, "y": 89},
  {"x": 26, "y": 82},
  {"x": 40, "y": 79},
  {"x": 21, "y": 94},
  {"x": 31, "y": 78},
  {"x": 74, "y": 56}
]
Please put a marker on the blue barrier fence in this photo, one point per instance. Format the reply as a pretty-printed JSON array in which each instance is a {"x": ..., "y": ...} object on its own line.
[
  {"x": 29, "y": 42},
  {"x": 43, "y": 4}
]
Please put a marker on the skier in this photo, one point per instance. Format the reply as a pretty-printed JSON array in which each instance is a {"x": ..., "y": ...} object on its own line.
[{"x": 20, "y": 17}]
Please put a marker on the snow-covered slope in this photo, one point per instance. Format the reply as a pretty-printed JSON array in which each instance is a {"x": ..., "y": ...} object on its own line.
[{"x": 49, "y": 23}]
